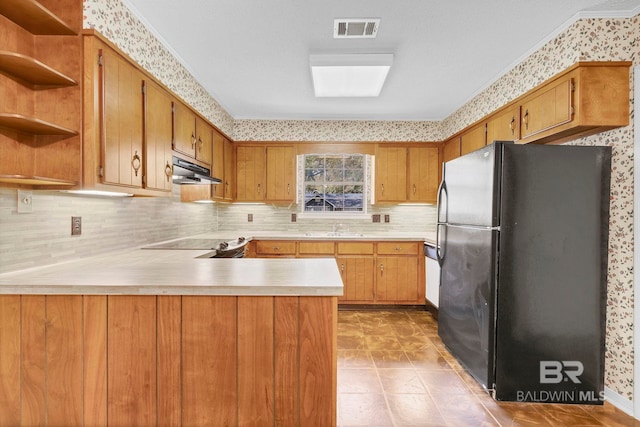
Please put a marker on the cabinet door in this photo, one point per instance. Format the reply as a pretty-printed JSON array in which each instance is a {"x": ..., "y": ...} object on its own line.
[
  {"x": 280, "y": 174},
  {"x": 121, "y": 105},
  {"x": 204, "y": 141},
  {"x": 391, "y": 174},
  {"x": 552, "y": 107},
  {"x": 250, "y": 173},
  {"x": 423, "y": 174},
  {"x": 505, "y": 127},
  {"x": 473, "y": 139},
  {"x": 397, "y": 279},
  {"x": 357, "y": 278},
  {"x": 229, "y": 170},
  {"x": 451, "y": 149},
  {"x": 217, "y": 165},
  {"x": 184, "y": 130},
  {"x": 157, "y": 150}
]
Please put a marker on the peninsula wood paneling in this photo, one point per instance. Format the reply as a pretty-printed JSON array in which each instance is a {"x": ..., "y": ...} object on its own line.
[
  {"x": 95, "y": 360},
  {"x": 131, "y": 355},
  {"x": 10, "y": 360},
  {"x": 286, "y": 354},
  {"x": 209, "y": 387},
  {"x": 169, "y": 360},
  {"x": 255, "y": 361}
]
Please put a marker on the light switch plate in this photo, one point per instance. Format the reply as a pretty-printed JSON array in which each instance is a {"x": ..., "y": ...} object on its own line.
[
  {"x": 76, "y": 225},
  {"x": 25, "y": 201}
]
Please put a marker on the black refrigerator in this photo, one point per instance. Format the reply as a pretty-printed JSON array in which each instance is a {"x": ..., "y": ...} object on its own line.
[{"x": 522, "y": 242}]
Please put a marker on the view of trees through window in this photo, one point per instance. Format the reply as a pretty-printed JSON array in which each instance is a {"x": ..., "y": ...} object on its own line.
[{"x": 334, "y": 182}]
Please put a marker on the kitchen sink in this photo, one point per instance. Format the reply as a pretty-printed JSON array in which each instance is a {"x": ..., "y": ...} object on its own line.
[{"x": 342, "y": 234}]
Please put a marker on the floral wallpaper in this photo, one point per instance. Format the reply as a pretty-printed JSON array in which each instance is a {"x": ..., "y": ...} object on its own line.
[
  {"x": 590, "y": 39},
  {"x": 113, "y": 20}
]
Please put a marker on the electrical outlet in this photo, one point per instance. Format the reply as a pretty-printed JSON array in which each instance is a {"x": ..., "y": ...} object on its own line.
[
  {"x": 387, "y": 218},
  {"x": 76, "y": 225},
  {"x": 250, "y": 217},
  {"x": 375, "y": 217},
  {"x": 25, "y": 201},
  {"x": 294, "y": 217}
]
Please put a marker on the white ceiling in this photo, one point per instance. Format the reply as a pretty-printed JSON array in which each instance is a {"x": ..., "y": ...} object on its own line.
[{"x": 253, "y": 55}]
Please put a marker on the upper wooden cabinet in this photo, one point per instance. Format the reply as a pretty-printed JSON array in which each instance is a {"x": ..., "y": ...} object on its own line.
[
  {"x": 229, "y": 171},
  {"x": 551, "y": 107},
  {"x": 127, "y": 124},
  {"x": 192, "y": 136},
  {"x": 473, "y": 139},
  {"x": 40, "y": 88},
  {"x": 391, "y": 174},
  {"x": 406, "y": 173},
  {"x": 265, "y": 173},
  {"x": 423, "y": 174},
  {"x": 504, "y": 126},
  {"x": 157, "y": 142},
  {"x": 451, "y": 149},
  {"x": 217, "y": 166}
]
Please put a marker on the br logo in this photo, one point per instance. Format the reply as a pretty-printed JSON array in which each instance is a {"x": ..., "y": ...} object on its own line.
[{"x": 554, "y": 371}]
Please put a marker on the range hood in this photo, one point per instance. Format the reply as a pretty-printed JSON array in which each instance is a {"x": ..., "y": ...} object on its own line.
[{"x": 185, "y": 172}]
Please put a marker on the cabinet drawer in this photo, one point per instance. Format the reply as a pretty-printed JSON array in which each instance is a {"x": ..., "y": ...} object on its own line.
[
  {"x": 355, "y": 248},
  {"x": 316, "y": 248},
  {"x": 398, "y": 248},
  {"x": 276, "y": 247}
]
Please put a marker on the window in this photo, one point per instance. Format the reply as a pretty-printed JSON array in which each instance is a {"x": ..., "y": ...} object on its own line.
[{"x": 335, "y": 183}]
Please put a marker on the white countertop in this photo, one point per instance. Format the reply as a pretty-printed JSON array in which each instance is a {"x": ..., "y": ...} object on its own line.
[
  {"x": 181, "y": 272},
  {"x": 178, "y": 272}
]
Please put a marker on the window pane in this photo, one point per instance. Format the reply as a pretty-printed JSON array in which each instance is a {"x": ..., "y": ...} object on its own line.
[
  {"x": 334, "y": 183},
  {"x": 316, "y": 175},
  {"x": 354, "y": 162},
  {"x": 335, "y": 162},
  {"x": 354, "y": 175},
  {"x": 335, "y": 175},
  {"x": 313, "y": 162}
]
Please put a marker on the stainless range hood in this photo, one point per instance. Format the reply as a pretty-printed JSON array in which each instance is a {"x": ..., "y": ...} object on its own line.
[{"x": 185, "y": 172}]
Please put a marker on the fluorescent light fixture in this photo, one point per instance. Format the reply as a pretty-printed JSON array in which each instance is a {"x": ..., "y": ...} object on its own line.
[
  {"x": 349, "y": 75},
  {"x": 97, "y": 193}
]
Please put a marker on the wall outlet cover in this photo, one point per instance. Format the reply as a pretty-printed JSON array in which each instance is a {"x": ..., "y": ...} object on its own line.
[
  {"x": 250, "y": 217},
  {"x": 25, "y": 201},
  {"x": 76, "y": 225},
  {"x": 375, "y": 217}
]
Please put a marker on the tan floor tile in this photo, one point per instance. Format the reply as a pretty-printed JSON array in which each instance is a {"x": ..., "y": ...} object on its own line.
[
  {"x": 354, "y": 359},
  {"x": 390, "y": 359},
  {"x": 568, "y": 415},
  {"x": 358, "y": 381},
  {"x": 415, "y": 343},
  {"x": 401, "y": 381},
  {"x": 408, "y": 330},
  {"x": 382, "y": 342},
  {"x": 443, "y": 381},
  {"x": 458, "y": 409},
  {"x": 427, "y": 358},
  {"x": 414, "y": 410},
  {"x": 350, "y": 329},
  {"x": 352, "y": 342},
  {"x": 364, "y": 409},
  {"x": 609, "y": 415}
]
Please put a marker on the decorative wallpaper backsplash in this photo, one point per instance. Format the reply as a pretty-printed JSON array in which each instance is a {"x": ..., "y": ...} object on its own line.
[{"x": 44, "y": 236}]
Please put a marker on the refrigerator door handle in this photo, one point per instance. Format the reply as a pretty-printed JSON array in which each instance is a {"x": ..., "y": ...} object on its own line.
[
  {"x": 442, "y": 203},
  {"x": 440, "y": 246}
]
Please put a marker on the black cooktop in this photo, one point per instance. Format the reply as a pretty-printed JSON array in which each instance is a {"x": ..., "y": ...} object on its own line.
[{"x": 196, "y": 244}]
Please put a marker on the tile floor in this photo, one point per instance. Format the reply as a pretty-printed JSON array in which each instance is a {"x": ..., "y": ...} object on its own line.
[{"x": 393, "y": 370}]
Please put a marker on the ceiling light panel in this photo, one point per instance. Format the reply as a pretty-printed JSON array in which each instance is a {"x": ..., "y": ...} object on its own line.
[
  {"x": 353, "y": 75},
  {"x": 355, "y": 28}
]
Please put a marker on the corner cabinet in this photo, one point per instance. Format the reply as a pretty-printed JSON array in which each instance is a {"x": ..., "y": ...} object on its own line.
[
  {"x": 406, "y": 173},
  {"x": 127, "y": 127},
  {"x": 41, "y": 91},
  {"x": 265, "y": 173}
]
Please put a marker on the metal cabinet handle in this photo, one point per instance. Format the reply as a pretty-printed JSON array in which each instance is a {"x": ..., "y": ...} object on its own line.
[
  {"x": 381, "y": 268},
  {"x": 193, "y": 140},
  {"x": 276, "y": 248},
  {"x": 525, "y": 119},
  {"x": 398, "y": 248},
  {"x": 342, "y": 267},
  {"x": 258, "y": 188},
  {"x": 136, "y": 162},
  {"x": 382, "y": 188},
  {"x": 288, "y": 188},
  {"x": 512, "y": 125},
  {"x": 168, "y": 171},
  {"x": 414, "y": 189}
]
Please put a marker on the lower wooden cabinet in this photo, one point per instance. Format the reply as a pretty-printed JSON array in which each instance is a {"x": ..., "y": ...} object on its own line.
[
  {"x": 383, "y": 272},
  {"x": 167, "y": 360}
]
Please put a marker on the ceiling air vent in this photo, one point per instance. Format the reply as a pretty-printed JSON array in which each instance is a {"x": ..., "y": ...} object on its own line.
[{"x": 355, "y": 28}]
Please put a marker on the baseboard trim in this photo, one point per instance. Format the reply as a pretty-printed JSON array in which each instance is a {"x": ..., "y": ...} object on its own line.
[{"x": 620, "y": 402}]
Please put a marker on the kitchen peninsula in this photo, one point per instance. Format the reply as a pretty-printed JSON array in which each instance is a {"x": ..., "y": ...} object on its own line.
[{"x": 143, "y": 337}]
